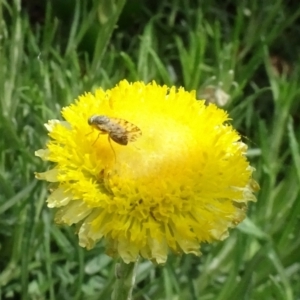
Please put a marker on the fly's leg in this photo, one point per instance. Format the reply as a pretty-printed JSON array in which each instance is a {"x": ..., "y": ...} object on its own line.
[{"x": 112, "y": 148}]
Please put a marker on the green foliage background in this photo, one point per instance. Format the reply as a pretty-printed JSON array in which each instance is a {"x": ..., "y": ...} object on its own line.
[{"x": 52, "y": 51}]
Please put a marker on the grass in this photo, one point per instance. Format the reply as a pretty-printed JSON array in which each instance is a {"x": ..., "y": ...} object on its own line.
[{"x": 44, "y": 66}]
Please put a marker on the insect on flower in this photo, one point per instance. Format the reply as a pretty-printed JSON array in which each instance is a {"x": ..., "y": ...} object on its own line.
[{"x": 119, "y": 130}]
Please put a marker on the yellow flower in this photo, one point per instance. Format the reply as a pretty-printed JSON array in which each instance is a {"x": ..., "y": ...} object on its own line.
[{"x": 182, "y": 181}]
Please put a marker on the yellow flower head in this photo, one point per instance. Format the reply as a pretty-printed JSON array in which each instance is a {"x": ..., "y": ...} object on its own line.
[{"x": 148, "y": 169}]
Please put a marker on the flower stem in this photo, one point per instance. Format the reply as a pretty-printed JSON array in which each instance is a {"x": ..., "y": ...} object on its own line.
[{"x": 125, "y": 278}]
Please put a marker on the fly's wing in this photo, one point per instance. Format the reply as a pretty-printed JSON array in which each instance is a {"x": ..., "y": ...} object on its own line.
[{"x": 123, "y": 132}]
